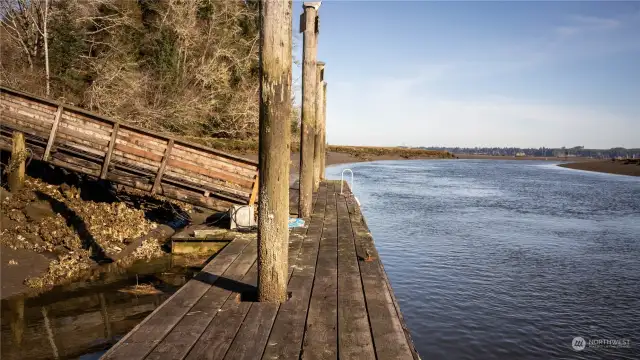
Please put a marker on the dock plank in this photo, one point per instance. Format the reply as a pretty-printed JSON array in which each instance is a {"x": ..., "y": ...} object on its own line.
[
  {"x": 254, "y": 332},
  {"x": 388, "y": 336},
  {"x": 320, "y": 338},
  {"x": 184, "y": 335},
  {"x": 285, "y": 340},
  {"x": 146, "y": 335},
  {"x": 354, "y": 332},
  {"x": 216, "y": 339}
]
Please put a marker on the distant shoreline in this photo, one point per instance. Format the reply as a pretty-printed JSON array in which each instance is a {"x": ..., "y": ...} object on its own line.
[
  {"x": 539, "y": 158},
  {"x": 605, "y": 166}
]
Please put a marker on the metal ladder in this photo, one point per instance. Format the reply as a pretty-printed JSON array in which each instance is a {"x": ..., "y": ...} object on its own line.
[{"x": 351, "y": 185}]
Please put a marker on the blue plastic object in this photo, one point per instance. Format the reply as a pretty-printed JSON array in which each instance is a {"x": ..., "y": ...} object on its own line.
[{"x": 295, "y": 222}]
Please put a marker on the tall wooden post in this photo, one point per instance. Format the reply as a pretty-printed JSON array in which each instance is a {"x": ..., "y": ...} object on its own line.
[
  {"x": 309, "y": 26},
  {"x": 16, "y": 165},
  {"x": 275, "y": 149},
  {"x": 317, "y": 149},
  {"x": 323, "y": 158}
]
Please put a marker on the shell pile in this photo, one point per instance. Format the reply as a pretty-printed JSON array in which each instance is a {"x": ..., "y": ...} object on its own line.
[
  {"x": 51, "y": 218},
  {"x": 67, "y": 266}
]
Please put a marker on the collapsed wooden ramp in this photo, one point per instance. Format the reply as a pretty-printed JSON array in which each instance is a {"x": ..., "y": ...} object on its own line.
[{"x": 91, "y": 144}]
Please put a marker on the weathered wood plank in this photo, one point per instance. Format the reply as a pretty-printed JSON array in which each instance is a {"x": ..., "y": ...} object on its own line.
[
  {"x": 146, "y": 335},
  {"x": 52, "y": 135},
  {"x": 216, "y": 339},
  {"x": 196, "y": 149},
  {"x": 84, "y": 132},
  {"x": 254, "y": 192},
  {"x": 285, "y": 341},
  {"x": 388, "y": 336},
  {"x": 112, "y": 144},
  {"x": 163, "y": 165},
  {"x": 251, "y": 339},
  {"x": 138, "y": 152},
  {"x": 320, "y": 338},
  {"x": 354, "y": 333},
  {"x": 212, "y": 173},
  {"x": 185, "y": 334},
  {"x": 259, "y": 324}
]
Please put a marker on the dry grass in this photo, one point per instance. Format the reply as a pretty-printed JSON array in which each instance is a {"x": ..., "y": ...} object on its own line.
[{"x": 407, "y": 153}]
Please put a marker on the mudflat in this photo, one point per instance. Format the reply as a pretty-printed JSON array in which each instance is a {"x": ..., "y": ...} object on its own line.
[{"x": 620, "y": 167}]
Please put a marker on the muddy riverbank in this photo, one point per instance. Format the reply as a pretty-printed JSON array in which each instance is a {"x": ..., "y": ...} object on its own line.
[
  {"x": 55, "y": 230},
  {"x": 620, "y": 167}
]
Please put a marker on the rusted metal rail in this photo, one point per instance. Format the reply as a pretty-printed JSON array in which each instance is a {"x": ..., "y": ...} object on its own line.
[{"x": 92, "y": 144}]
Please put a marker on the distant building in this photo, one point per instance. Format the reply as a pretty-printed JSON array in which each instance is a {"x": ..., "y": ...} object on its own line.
[{"x": 520, "y": 154}]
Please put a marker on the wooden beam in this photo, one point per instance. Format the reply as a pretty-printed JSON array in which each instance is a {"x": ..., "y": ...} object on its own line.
[
  {"x": 275, "y": 137},
  {"x": 323, "y": 132},
  {"x": 254, "y": 192},
  {"x": 163, "y": 165},
  {"x": 112, "y": 144},
  {"x": 52, "y": 135},
  {"x": 317, "y": 135},
  {"x": 16, "y": 165},
  {"x": 308, "y": 123}
]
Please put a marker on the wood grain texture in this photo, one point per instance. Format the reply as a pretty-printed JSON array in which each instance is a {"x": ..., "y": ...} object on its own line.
[
  {"x": 320, "y": 338},
  {"x": 163, "y": 165},
  {"x": 354, "y": 334},
  {"x": 285, "y": 341},
  {"x": 52, "y": 135},
  {"x": 112, "y": 144},
  {"x": 388, "y": 335}
]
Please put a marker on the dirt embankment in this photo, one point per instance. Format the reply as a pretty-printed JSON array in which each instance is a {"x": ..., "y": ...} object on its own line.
[
  {"x": 629, "y": 167},
  {"x": 49, "y": 234}
]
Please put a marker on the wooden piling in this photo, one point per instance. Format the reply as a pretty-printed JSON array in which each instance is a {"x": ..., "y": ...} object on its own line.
[
  {"x": 275, "y": 147},
  {"x": 17, "y": 165},
  {"x": 308, "y": 26},
  {"x": 323, "y": 158},
  {"x": 317, "y": 150}
]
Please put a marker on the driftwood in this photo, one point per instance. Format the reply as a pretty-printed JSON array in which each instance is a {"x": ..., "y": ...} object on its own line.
[{"x": 91, "y": 144}]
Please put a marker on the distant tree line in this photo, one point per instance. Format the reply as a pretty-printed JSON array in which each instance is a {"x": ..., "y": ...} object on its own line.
[{"x": 577, "y": 151}]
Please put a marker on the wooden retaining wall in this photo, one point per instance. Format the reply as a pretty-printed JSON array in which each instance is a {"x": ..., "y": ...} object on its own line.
[{"x": 91, "y": 144}]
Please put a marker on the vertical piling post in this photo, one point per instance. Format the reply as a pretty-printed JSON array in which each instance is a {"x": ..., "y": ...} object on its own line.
[
  {"x": 308, "y": 26},
  {"x": 275, "y": 149},
  {"x": 323, "y": 158},
  {"x": 317, "y": 150},
  {"x": 16, "y": 165}
]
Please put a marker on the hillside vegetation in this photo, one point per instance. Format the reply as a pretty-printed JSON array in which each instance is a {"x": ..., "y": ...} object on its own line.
[{"x": 185, "y": 67}]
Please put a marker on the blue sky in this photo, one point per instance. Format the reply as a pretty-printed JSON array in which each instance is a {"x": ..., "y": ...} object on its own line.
[{"x": 508, "y": 73}]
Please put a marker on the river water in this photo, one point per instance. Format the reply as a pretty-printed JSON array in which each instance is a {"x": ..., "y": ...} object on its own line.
[{"x": 493, "y": 259}]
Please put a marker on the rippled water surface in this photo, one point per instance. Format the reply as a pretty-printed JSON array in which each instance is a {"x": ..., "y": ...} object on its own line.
[{"x": 507, "y": 259}]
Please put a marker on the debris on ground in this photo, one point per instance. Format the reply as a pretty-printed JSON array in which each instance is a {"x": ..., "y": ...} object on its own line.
[
  {"x": 143, "y": 289},
  {"x": 67, "y": 266},
  {"x": 149, "y": 249}
]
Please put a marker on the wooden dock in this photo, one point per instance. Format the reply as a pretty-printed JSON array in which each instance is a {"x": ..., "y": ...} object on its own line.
[{"x": 341, "y": 303}]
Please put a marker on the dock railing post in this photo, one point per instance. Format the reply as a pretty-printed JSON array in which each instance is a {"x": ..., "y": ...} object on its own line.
[
  {"x": 16, "y": 166},
  {"x": 317, "y": 150},
  {"x": 323, "y": 158},
  {"x": 308, "y": 26},
  {"x": 275, "y": 148}
]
